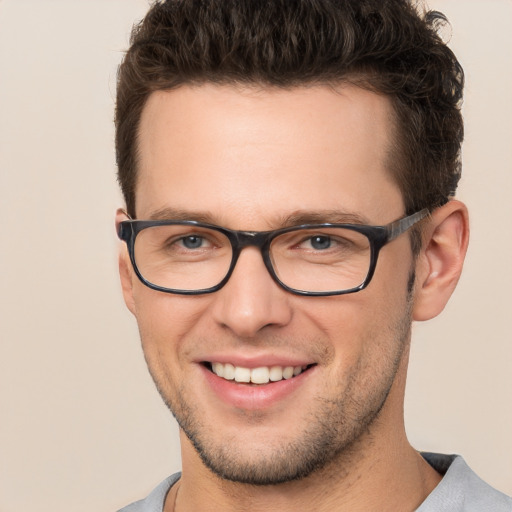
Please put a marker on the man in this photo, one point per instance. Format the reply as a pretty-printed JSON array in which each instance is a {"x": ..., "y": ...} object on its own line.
[{"x": 289, "y": 171}]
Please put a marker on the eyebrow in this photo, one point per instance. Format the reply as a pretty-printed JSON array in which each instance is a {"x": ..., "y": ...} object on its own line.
[
  {"x": 322, "y": 217},
  {"x": 293, "y": 219},
  {"x": 170, "y": 213}
]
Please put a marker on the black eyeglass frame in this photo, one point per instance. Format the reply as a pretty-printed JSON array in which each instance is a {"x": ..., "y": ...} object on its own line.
[{"x": 378, "y": 236}]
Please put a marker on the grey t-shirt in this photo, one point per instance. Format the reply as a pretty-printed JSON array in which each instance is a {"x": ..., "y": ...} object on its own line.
[{"x": 460, "y": 490}]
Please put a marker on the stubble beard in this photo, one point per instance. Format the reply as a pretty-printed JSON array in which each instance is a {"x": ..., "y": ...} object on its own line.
[{"x": 334, "y": 433}]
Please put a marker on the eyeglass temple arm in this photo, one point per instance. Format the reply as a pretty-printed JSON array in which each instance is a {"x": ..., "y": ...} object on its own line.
[{"x": 398, "y": 227}]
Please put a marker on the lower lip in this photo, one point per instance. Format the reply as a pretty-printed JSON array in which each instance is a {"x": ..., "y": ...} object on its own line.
[{"x": 254, "y": 396}]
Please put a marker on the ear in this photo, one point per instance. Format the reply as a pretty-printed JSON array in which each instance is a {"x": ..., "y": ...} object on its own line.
[
  {"x": 439, "y": 264},
  {"x": 125, "y": 266}
]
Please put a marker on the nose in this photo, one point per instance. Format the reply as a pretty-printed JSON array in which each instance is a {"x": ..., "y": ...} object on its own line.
[{"x": 251, "y": 300}]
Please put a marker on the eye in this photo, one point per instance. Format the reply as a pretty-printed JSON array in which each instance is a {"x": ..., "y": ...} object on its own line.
[
  {"x": 192, "y": 241},
  {"x": 320, "y": 242}
]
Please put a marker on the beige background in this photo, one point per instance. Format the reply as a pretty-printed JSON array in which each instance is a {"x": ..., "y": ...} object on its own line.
[{"x": 81, "y": 428}]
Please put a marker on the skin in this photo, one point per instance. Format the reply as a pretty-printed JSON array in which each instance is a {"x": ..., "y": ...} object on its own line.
[{"x": 248, "y": 158}]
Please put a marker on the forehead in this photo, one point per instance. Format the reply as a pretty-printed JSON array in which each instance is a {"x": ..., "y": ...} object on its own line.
[{"x": 252, "y": 153}]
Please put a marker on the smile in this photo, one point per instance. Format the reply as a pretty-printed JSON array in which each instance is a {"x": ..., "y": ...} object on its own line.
[{"x": 260, "y": 375}]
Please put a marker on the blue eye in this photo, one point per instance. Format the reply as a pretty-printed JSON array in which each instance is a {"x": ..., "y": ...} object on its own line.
[
  {"x": 192, "y": 241},
  {"x": 320, "y": 242}
]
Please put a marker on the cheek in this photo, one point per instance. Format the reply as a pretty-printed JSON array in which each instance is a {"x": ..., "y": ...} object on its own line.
[
  {"x": 164, "y": 320},
  {"x": 344, "y": 319},
  {"x": 362, "y": 324}
]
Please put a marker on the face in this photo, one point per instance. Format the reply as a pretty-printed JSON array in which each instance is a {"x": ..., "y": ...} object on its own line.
[{"x": 250, "y": 159}]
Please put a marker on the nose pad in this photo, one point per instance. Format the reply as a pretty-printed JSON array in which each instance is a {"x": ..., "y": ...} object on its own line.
[{"x": 251, "y": 300}]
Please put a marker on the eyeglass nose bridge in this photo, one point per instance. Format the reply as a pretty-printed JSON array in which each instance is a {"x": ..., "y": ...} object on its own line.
[{"x": 240, "y": 240}]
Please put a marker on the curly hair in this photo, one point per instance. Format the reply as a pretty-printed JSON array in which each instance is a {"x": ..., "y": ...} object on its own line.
[{"x": 386, "y": 46}]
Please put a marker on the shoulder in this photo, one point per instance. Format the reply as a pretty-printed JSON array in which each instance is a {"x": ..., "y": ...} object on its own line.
[
  {"x": 461, "y": 490},
  {"x": 156, "y": 499}
]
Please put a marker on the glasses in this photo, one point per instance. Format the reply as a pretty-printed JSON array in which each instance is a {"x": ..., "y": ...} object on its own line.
[{"x": 192, "y": 258}]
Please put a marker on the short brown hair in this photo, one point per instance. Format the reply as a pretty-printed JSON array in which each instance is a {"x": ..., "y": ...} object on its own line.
[{"x": 387, "y": 46}]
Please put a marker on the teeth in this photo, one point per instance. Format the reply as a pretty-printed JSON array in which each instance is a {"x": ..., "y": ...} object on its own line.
[
  {"x": 228, "y": 372},
  {"x": 261, "y": 375},
  {"x": 288, "y": 372},
  {"x": 218, "y": 369},
  {"x": 242, "y": 374},
  {"x": 276, "y": 373}
]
